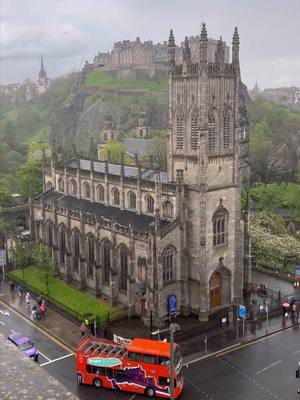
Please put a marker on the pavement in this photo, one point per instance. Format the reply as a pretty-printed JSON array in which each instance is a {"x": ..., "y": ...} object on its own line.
[{"x": 200, "y": 344}]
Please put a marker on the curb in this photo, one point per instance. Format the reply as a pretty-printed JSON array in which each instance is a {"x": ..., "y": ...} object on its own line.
[
  {"x": 40, "y": 326},
  {"x": 238, "y": 345}
]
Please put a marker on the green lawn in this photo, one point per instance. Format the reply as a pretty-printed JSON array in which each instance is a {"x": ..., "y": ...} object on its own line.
[
  {"x": 106, "y": 80},
  {"x": 74, "y": 300}
]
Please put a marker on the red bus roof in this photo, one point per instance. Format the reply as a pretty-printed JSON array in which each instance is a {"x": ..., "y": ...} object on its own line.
[{"x": 154, "y": 347}]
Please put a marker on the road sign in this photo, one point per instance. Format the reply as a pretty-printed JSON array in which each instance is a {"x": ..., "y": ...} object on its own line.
[
  {"x": 2, "y": 258},
  {"x": 242, "y": 312}
]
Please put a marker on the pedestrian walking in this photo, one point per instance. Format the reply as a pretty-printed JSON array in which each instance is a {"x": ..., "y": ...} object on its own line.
[
  {"x": 20, "y": 291},
  {"x": 83, "y": 329},
  {"x": 12, "y": 287},
  {"x": 28, "y": 298}
]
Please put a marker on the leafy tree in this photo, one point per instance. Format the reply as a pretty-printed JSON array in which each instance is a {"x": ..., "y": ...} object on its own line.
[
  {"x": 30, "y": 174},
  {"x": 114, "y": 150},
  {"x": 8, "y": 133},
  {"x": 20, "y": 254},
  {"x": 44, "y": 265}
]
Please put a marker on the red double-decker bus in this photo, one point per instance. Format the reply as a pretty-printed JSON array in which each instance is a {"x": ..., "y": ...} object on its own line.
[{"x": 143, "y": 366}]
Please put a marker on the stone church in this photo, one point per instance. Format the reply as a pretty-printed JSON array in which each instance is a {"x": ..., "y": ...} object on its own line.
[{"x": 140, "y": 237}]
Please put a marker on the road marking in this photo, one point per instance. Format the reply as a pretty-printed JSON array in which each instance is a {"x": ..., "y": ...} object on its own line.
[
  {"x": 57, "y": 359},
  {"x": 133, "y": 397},
  {"x": 187, "y": 363},
  {"x": 1, "y": 294},
  {"x": 67, "y": 348},
  {"x": 12, "y": 331},
  {"x": 4, "y": 312},
  {"x": 268, "y": 367},
  {"x": 2, "y": 323},
  {"x": 43, "y": 355},
  {"x": 296, "y": 352}
]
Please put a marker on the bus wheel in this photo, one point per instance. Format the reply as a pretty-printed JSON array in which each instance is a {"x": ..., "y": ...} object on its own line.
[
  {"x": 150, "y": 392},
  {"x": 98, "y": 383}
]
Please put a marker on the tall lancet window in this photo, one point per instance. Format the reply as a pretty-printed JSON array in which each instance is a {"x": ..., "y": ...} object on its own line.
[
  {"x": 194, "y": 130},
  {"x": 226, "y": 129},
  {"x": 211, "y": 131},
  {"x": 179, "y": 131}
]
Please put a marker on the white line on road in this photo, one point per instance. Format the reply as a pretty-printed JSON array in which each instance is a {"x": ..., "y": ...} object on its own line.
[
  {"x": 2, "y": 323},
  {"x": 57, "y": 359},
  {"x": 296, "y": 352},
  {"x": 268, "y": 367},
  {"x": 12, "y": 331},
  {"x": 133, "y": 397},
  {"x": 43, "y": 355},
  {"x": 4, "y": 312}
]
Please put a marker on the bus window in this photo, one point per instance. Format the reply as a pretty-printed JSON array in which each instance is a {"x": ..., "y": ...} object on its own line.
[
  {"x": 109, "y": 372},
  {"x": 92, "y": 369},
  {"x": 135, "y": 356},
  {"x": 163, "y": 361},
  {"x": 119, "y": 374},
  {"x": 150, "y": 359}
]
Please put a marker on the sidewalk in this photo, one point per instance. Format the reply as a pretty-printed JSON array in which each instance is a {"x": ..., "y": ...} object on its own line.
[{"x": 67, "y": 331}]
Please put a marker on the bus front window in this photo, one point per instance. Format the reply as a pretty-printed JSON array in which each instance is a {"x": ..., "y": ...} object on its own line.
[{"x": 177, "y": 358}]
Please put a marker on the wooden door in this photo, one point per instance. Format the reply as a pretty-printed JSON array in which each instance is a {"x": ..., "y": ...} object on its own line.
[
  {"x": 143, "y": 308},
  {"x": 215, "y": 290}
]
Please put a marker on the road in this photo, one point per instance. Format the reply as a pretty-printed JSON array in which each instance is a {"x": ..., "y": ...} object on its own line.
[{"x": 262, "y": 370}]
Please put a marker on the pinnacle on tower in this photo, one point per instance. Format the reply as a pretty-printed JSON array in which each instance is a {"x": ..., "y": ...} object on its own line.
[
  {"x": 186, "y": 51},
  {"x": 235, "y": 46},
  {"x": 203, "y": 44},
  {"x": 171, "y": 48}
]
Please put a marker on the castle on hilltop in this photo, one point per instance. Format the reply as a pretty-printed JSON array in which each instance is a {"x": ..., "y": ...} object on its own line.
[
  {"x": 145, "y": 60},
  {"x": 161, "y": 242}
]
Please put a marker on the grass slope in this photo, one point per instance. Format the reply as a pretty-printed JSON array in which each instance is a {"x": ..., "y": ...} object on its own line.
[
  {"x": 106, "y": 80},
  {"x": 77, "y": 302}
]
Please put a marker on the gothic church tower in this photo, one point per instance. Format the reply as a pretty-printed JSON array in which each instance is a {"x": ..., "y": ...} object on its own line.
[{"x": 204, "y": 149}]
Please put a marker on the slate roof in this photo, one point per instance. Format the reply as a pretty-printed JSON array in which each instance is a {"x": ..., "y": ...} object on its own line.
[
  {"x": 137, "y": 146},
  {"x": 115, "y": 169},
  {"x": 140, "y": 221}
]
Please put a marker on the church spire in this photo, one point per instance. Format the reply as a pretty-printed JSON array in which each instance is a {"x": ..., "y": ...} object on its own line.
[
  {"x": 171, "y": 48},
  {"x": 42, "y": 73}
]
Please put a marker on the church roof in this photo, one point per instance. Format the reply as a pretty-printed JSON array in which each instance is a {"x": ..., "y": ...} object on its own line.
[
  {"x": 140, "y": 222},
  {"x": 115, "y": 169}
]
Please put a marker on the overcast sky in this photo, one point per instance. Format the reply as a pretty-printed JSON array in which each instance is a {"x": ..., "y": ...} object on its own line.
[{"x": 68, "y": 32}]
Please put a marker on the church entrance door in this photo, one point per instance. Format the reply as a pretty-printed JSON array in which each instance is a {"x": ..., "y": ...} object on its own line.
[
  {"x": 215, "y": 290},
  {"x": 143, "y": 308}
]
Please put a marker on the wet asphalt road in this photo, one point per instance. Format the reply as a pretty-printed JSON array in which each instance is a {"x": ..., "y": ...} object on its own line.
[{"x": 260, "y": 371}]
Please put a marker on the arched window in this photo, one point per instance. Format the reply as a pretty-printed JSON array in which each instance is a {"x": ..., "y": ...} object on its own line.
[
  {"x": 61, "y": 184},
  {"x": 62, "y": 245},
  {"x": 132, "y": 200},
  {"x": 179, "y": 131},
  {"x": 50, "y": 235},
  {"x": 149, "y": 203},
  {"x": 86, "y": 190},
  {"x": 226, "y": 129},
  {"x": 91, "y": 255},
  {"x": 211, "y": 131},
  {"x": 73, "y": 187},
  {"x": 220, "y": 224},
  {"x": 49, "y": 185},
  {"x": 106, "y": 249},
  {"x": 167, "y": 209},
  {"x": 100, "y": 193},
  {"x": 76, "y": 244},
  {"x": 123, "y": 267},
  {"x": 116, "y": 196},
  {"x": 194, "y": 130},
  {"x": 168, "y": 264}
]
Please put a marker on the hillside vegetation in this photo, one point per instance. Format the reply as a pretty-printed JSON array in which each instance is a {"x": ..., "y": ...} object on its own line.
[{"x": 106, "y": 80}]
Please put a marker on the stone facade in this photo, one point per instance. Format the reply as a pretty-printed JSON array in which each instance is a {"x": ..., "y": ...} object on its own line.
[
  {"x": 136, "y": 236},
  {"x": 143, "y": 130}
]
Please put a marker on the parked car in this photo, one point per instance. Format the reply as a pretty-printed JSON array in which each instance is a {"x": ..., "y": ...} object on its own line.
[{"x": 25, "y": 345}]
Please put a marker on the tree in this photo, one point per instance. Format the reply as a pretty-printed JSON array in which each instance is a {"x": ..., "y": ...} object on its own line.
[
  {"x": 20, "y": 254},
  {"x": 44, "y": 265},
  {"x": 113, "y": 150},
  {"x": 30, "y": 173}
]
